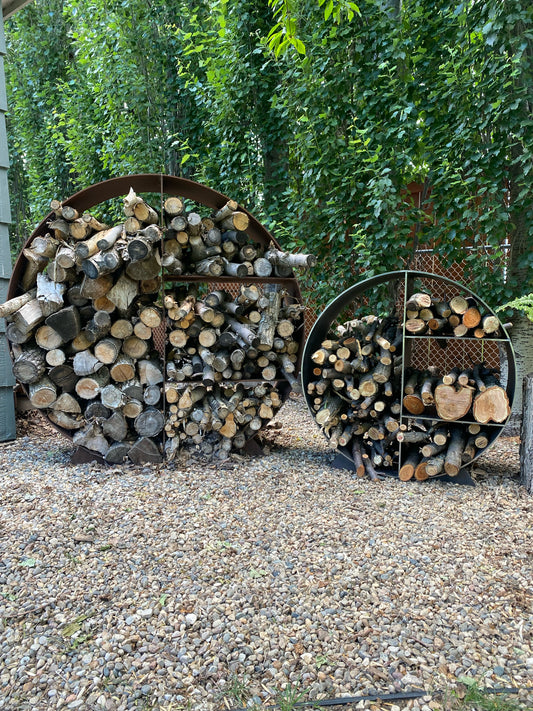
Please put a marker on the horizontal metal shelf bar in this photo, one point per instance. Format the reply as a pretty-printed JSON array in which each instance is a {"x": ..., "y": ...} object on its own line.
[
  {"x": 228, "y": 279},
  {"x": 452, "y": 422},
  {"x": 455, "y": 338}
]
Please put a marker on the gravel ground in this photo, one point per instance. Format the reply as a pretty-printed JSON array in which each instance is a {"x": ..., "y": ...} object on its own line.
[{"x": 158, "y": 587}]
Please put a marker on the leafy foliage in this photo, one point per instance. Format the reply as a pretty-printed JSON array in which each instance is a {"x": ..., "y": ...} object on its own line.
[
  {"x": 321, "y": 142},
  {"x": 522, "y": 303}
]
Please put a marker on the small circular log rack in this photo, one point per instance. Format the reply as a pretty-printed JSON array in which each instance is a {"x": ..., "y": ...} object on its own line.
[
  {"x": 202, "y": 196},
  {"x": 439, "y": 353}
]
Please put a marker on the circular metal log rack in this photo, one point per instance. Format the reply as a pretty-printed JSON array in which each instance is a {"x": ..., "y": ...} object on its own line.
[
  {"x": 167, "y": 185},
  {"x": 401, "y": 283}
]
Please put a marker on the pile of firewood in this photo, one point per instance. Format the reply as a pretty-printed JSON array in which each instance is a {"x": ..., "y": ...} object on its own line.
[
  {"x": 457, "y": 317},
  {"x": 367, "y": 400},
  {"x": 134, "y": 363}
]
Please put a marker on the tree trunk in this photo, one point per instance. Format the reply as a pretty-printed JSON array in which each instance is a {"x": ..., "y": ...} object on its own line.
[{"x": 526, "y": 439}]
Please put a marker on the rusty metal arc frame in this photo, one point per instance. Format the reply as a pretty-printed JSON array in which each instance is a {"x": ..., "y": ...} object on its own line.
[
  {"x": 143, "y": 182},
  {"x": 164, "y": 185},
  {"x": 323, "y": 323}
]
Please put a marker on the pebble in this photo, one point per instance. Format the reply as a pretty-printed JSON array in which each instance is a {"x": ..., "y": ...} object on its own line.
[{"x": 276, "y": 572}]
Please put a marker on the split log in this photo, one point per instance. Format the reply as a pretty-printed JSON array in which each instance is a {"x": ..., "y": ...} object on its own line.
[
  {"x": 148, "y": 268},
  {"x": 49, "y": 294},
  {"x": 28, "y": 316},
  {"x": 107, "y": 350},
  {"x": 123, "y": 369},
  {"x": 66, "y": 322},
  {"x": 150, "y": 372},
  {"x": 13, "y": 305},
  {"x": 145, "y": 450},
  {"x": 90, "y": 386},
  {"x": 64, "y": 377},
  {"x": 65, "y": 420},
  {"x": 85, "y": 363},
  {"x": 118, "y": 452},
  {"x": 92, "y": 438},
  {"x": 35, "y": 264},
  {"x": 46, "y": 246},
  {"x": 269, "y": 317},
  {"x": 94, "y": 288},
  {"x": 123, "y": 292},
  {"x": 115, "y": 427},
  {"x": 48, "y": 338},
  {"x": 132, "y": 408},
  {"x": 67, "y": 403}
]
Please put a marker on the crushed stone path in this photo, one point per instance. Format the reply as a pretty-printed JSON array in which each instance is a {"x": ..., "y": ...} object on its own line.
[{"x": 175, "y": 586}]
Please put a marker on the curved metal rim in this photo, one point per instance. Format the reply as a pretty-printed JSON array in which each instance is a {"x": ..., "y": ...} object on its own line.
[
  {"x": 336, "y": 305},
  {"x": 142, "y": 182}
]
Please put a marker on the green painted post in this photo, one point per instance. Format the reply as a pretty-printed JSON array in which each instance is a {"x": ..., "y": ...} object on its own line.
[{"x": 7, "y": 403}]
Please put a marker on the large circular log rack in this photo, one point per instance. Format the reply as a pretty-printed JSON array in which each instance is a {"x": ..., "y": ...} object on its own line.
[
  {"x": 202, "y": 196},
  {"x": 387, "y": 296}
]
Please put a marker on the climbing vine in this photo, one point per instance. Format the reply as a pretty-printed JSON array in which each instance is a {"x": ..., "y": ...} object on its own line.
[{"x": 316, "y": 114}]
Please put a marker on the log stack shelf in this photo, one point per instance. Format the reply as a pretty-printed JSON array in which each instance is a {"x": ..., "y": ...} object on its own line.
[
  {"x": 409, "y": 374},
  {"x": 160, "y": 389}
]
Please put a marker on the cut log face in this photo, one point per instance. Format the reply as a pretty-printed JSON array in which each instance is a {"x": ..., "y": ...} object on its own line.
[
  {"x": 451, "y": 403},
  {"x": 492, "y": 405},
  {"x": 42, "y": 393},
  {"x": 29, "y": 366}
]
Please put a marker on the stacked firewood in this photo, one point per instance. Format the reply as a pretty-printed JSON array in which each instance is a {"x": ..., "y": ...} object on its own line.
[
  {"x": 113, "y": 350},
  {"x": 356, "y": 387},
  {"x": 457, "y": 317},
  {"x": 368, "y": 401}
]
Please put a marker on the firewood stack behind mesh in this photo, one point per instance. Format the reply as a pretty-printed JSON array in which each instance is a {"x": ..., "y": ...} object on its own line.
[{"x": 368, "y": 399}]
